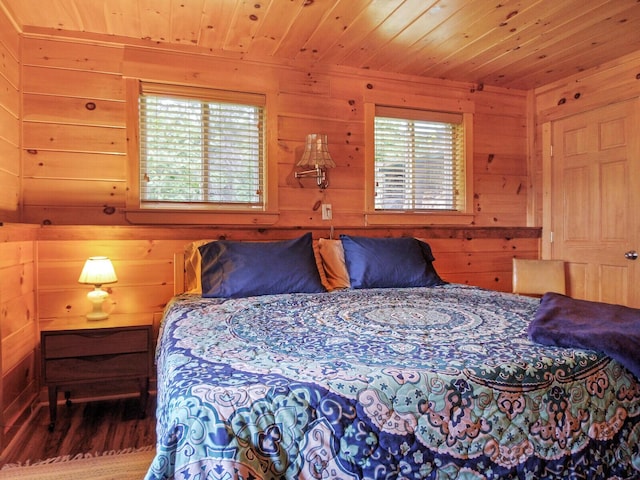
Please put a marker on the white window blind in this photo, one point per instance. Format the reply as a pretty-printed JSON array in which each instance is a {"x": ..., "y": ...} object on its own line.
[
  {"x": 200, "y": 147},
  {"x": 419, "y": 160}
]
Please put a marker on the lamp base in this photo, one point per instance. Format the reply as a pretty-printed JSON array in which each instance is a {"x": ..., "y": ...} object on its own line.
[
  {"x": 97, "y": 316},
  {"x": 97, "y": 298}
]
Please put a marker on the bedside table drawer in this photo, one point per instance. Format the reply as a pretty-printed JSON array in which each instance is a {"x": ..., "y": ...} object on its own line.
[
  {"x": 93, "y": 343},
  {"x": 101, "y": 367}
]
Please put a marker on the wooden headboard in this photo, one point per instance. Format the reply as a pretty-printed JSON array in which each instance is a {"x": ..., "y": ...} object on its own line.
[{"x": 178, "y": 273}]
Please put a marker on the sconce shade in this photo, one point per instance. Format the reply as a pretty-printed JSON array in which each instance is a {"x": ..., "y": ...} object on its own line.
[
  {"x": 98, "y": 271},
  {"x": 316, "y": 159},
  {"x": 316, "y": 152}
]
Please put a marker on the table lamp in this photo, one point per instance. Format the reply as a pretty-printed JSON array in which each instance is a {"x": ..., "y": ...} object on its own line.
[{"x": 97, "y": 271}]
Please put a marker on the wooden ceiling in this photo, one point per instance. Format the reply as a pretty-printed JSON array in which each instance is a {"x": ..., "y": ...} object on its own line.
[{"x": 518, "y": 44}]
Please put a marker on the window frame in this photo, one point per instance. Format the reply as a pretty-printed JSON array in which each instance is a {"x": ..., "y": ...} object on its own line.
[
  {"x": 374, "y": 216},
  {"x": 194, "y": 213}
]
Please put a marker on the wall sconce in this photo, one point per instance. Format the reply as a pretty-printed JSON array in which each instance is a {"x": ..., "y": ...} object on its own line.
[
  {"x": 97, "y": 271},
  {"x": 316, "y": 159}
]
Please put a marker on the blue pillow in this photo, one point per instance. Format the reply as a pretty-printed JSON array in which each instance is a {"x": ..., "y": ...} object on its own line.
[
  {"x": 389, "y": 262},
  {"x": 241, "y": 269}
]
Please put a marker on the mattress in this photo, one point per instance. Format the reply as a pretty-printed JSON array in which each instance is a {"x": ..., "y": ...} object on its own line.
[{"x": 380, "y": 383}]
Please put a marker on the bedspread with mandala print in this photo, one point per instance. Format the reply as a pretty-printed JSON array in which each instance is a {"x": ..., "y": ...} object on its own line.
[{"x": 418, "y": 383}]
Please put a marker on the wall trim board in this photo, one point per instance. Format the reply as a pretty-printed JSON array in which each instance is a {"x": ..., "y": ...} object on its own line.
[
  {"x": 18, "y": 232},
  {"x": 116, "y": 232}
]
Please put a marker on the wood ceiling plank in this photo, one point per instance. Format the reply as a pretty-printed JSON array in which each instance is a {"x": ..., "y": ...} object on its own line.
[
  {"x": 216, "y": 20},
  {"x": 121, "y": 17},
  {"x": 351, "y": 38},
  {"x": 524, "y": 29},
  {"x": 437, "y": 23},
  {"x": 586, "y": 32},
  {"x": 489, "y": 35},
  {"x": 278, "y": 21},
  {"x": 154, "y": 20},
  {"x": 566, "y": 65},
  {"x": 246, "y": 21},
  {"x": 397, "y": 50},
  {"x": 185, "y": 21},
  {"x": 327, "y": 30},
  {"x": 88, "y": 18},
  {"x": 466, "y": 26},
  {"x": 26, "y": 13},
  {"x": 540, "y": 28},
  {"x": 387, "y": 33}
]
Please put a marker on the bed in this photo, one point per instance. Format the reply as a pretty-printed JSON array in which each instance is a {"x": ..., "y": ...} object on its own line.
[{"x": 374, "y": 369}]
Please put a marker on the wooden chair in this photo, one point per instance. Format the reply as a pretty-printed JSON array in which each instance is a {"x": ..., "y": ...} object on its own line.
[{"x": 536, "y": 277}]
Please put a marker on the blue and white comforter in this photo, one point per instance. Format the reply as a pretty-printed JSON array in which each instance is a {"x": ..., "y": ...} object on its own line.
[{"x": 417, "y": 383}]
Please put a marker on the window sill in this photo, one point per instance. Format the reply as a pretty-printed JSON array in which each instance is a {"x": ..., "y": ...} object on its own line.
[
  {"x": 190, "y": 217},
  {"x": 412, "y": 218}
]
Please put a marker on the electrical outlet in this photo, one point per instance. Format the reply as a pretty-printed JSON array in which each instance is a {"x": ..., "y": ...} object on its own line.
[{"x": 327, "y": 213}]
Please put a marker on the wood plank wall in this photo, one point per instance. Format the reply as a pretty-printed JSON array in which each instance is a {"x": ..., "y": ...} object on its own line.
[
  {"x": 75, "y": 164},
  {"x": 18, "y": 326},
  {"x": 612, "y": 82},
  {"x": 9, "y": 121},
  {"x": 75, "y": 161},
  {"x": 71, "y": 176},
  {"x": 143, "y": 260},
  {"x": 67, "y": 174}
]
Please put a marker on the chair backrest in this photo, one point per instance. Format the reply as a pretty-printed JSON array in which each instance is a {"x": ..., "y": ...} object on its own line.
[{"x": 536, "y": 277}]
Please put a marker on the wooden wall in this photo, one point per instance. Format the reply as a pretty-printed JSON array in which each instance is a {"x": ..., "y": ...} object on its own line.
[
  {"x": 74, "y": 158},
  {"x": 9, "y": 121},
  {"x": 609, "y": 83},
  {"x": 75, "y": 162},
  {"x": 18, "y": 321},
  {"x": 63, "y": 172},
  {"x": 71, "y": 178},
  {"x": 142, "y": 258},
  {"x": 18, "y": 326}
]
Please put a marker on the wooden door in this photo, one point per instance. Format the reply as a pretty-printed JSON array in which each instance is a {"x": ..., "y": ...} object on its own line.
[{"x": 595, "y": 202}]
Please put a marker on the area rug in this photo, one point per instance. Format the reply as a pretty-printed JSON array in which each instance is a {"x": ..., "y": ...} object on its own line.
[{"x": 121, "y": 465}]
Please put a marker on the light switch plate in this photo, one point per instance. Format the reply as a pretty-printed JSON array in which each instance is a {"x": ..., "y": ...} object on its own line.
[{"x": 327, "y": 213}]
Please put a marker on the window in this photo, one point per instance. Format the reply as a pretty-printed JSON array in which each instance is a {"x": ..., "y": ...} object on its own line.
[
  {"x": 201, "y": 149},
  {"x": 419, "y": 161}
]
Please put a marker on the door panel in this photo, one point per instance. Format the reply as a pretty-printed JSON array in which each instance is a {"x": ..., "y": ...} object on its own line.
[{"x": 595, "y": 202}]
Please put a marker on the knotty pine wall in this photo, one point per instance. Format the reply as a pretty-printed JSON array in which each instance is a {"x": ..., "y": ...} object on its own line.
[
  {"x": 9, "y": 121},
  {"x": 612, "y": 82},
  {"x": 75, "y": 162},
  {"x": 18, "y": 326},
  {"x": 18, "y": 321},
  {"x": 66, "y": 165},
  {"x": 75, "y": 158}
]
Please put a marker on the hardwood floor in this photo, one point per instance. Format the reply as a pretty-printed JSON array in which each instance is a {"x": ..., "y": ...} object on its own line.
[{"x": 91, "y": 427}]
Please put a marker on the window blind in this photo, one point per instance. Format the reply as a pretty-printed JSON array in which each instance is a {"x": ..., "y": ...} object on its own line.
[
  {"x": 419, "y": 160},
  {"x": 200, "y": 150}
]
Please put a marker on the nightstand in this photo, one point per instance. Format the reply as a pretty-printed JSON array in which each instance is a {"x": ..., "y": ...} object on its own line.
[{"x": 79, "y": 351}]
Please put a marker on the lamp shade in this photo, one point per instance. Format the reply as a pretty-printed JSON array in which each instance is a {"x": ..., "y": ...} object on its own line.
[
  {"x": 316, "y": 152},
  {"x": 98, "y": 271}
]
